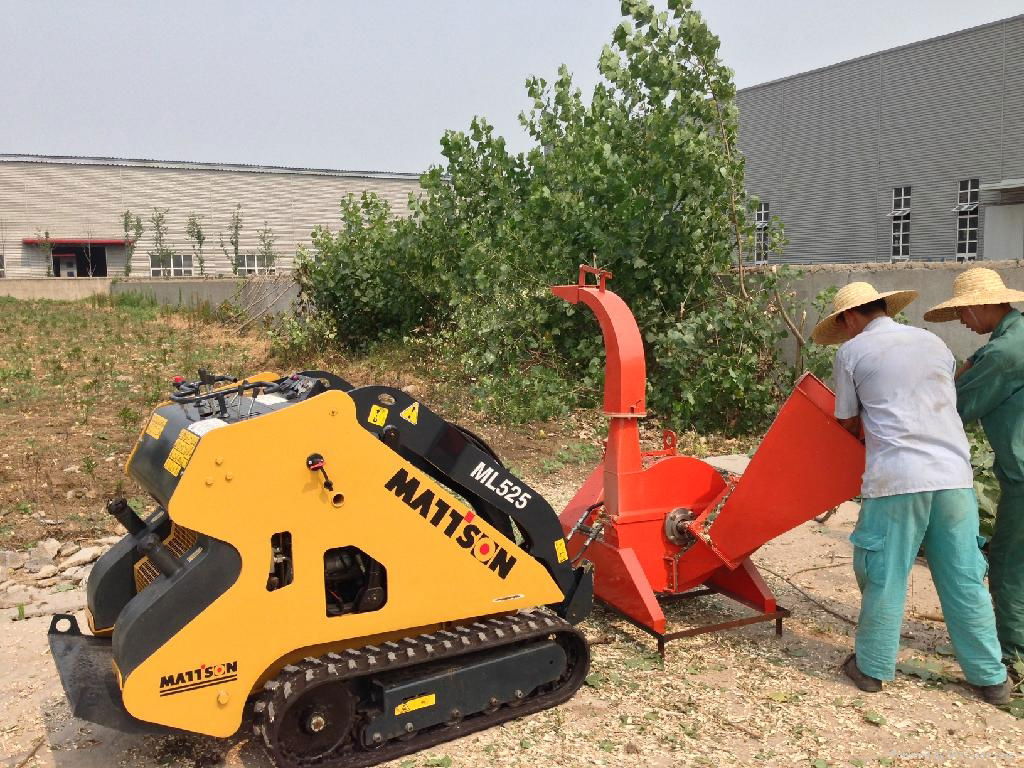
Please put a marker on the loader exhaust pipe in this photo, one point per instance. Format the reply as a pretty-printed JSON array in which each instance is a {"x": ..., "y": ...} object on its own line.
[
  {"x": 125, "y": 515},
  {"x": 159, "y": 555}
]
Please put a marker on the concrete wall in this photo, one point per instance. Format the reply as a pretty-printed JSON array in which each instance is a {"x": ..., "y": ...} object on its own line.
[
  {"x": 934, "y": 283},
  {"x": 275, "y": 294},
  {"x": 56, "y": 288}
]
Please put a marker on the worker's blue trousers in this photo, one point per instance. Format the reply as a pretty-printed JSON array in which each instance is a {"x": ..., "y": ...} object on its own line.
[{"x": 889, "y": 533}]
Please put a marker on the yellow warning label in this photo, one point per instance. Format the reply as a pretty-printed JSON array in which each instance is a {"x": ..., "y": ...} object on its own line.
[
  {"x": 173, "y": 467},
  {"x": 420, "y": 702},
  {"x": 560, "y": 550},
  {"x": 378, "y": 415},
  {"x": 156, "y": 425},
  {"x": 412, "y": 413}
]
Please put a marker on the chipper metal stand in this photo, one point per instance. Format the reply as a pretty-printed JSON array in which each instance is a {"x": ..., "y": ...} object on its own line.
[{"x": 659, "y": 526}]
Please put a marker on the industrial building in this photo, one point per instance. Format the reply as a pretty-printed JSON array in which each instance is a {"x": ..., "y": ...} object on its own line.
[
  {"x": 913, "y": 153},
  {"x": 64, "y": 216}
]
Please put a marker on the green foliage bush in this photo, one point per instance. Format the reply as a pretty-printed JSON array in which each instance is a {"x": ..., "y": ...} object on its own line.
[{"x": 642, "y": 178}]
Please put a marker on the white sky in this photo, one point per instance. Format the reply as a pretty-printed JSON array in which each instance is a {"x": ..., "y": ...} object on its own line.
[{"x": 365, "y": 85}]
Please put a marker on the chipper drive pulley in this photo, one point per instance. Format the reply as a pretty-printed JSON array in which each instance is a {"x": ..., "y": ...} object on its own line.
[{"x": 368, "y": 576}]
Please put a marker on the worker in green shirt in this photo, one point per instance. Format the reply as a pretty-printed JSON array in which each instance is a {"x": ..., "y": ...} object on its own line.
[{"x": 990, "y": 388}]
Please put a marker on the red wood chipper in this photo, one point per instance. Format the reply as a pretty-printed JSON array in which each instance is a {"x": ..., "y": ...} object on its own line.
[{"x": 658, "y": 526}]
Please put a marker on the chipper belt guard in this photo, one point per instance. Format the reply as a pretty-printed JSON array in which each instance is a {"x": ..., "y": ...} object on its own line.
[
  {"x": 657, "y": 525},
  {"x": 368, "y": 574}
]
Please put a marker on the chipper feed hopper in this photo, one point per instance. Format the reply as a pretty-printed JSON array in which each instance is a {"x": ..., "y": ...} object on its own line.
[{"x": 658, "y": 525}]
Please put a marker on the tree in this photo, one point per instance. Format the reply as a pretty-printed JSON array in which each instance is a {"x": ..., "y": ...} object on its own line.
[
  {"x": 161, "y": 255},
  {"x": 88, "y": 253},
  {"x": 195, "y": 233},
  {"x": 3, "y": 247},
  {"x": 46, "y": 249},
  {"x": 132, "y": 226},
  {"x": 643, "y": 178},
  {"x": 234, "y": 231},
  {"x": 265, "y": 253}
]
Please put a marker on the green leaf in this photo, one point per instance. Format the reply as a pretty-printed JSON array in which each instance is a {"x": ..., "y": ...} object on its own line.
[
  {"x": 438, "y": 762},
  {"x": 926, "y": 670},
  {"x": 874, "y": 718},
  {"x": 819, "y": 763},
  {"x": 595, "y": 680},
  {"x": 1016, "y": 708}
]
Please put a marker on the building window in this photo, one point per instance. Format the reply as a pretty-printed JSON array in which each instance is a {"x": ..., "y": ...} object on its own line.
[
  {"x": 967, "y": 220},
  {"x": 255, "y": 264},
  {"x": 180, "y": 266},
  {"x": 900, "y": 216},
  {"x": 762, "y": 234}
]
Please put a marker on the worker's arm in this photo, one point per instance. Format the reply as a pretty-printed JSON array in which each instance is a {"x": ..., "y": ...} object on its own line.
[
  {"x": 986, "y": 384},
  {"x": 847, "y": 411},
  {"x": 964, "y": 368}
]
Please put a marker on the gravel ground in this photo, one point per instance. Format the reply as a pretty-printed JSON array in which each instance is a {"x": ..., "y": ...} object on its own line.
[{"x": 744, "y": 697}]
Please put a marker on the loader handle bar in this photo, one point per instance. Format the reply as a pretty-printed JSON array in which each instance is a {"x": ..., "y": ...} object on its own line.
[{"x": 602, "y": 275}]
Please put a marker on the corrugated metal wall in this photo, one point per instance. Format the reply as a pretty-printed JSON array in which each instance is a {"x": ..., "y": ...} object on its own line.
[
  {"x": 825, "y": 148},
  {"x": 79, "y": 201}
]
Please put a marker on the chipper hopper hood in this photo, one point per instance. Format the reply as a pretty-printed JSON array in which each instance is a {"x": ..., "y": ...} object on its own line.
[{"x": 657, "y": 525}]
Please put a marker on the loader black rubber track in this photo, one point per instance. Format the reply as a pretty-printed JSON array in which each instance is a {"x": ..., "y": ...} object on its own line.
[{"x": 348, "y": 666}]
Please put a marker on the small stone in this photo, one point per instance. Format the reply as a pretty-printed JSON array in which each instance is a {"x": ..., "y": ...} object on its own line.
[
  {"x": 60, "y": 602},
  {"x": 14, "y": 598},
  {"x": 50, "y": 546},
  {"x": 5, "y": 573},
  {"x": 68, "y": 548},
  {"x": 82, "y": 557},
  {"x": 4, "y": 586},
  {"x": 46, "y": 572},
  {"x": 36, "y": 564},
  {"x": 49, "y": 582},
  {"x": 13, "y": 560},
  {"x": 109, "y": 541},
  {"x": 412, "y": 390}
]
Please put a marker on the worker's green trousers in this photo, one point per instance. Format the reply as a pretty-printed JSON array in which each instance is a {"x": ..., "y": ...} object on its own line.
[
  {"x": 1006, "y": 570},
  {"x": 889, "y": 533}
]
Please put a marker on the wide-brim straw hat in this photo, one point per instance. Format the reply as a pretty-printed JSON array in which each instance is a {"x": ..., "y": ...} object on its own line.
[
  {"x": 972, "y": 288},
  {"x": 829, "y": 331}
]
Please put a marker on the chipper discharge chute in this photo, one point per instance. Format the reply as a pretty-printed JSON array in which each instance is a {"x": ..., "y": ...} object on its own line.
[
  {"x": 368, "y": 575},
  {"x": 657, "y": 525}
]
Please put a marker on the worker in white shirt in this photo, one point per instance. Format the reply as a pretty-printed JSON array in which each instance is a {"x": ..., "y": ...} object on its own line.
[{"x": 895, "y": 382}]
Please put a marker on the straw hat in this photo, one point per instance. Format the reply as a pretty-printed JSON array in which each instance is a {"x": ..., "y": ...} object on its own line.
[
  {"x": 829, "y": 331},
  {"x": 973, "y": 287}
]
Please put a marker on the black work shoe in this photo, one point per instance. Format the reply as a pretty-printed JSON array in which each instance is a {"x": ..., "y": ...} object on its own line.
[
  {"x": 864, "y": 682},
  {"x": 997, "y": 695}
]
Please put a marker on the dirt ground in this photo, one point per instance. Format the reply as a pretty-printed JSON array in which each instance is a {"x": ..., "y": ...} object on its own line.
[{"x": 744, "y": 697}]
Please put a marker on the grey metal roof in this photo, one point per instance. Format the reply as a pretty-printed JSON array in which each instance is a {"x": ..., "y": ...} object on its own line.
[
  {"x": 194, "y": 166},
  {"x": 882, "y": 52}
]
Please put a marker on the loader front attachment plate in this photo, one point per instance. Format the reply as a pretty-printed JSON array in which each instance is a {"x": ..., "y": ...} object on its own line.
[{"x": 85, "y": 665}]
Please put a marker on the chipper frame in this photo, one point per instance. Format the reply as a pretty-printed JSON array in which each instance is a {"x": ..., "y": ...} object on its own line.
[
  {"x": 657, "y": 525},
  {"x": 365, "y": 573}
]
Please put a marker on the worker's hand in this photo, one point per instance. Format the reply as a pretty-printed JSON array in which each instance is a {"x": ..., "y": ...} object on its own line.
[
  {"x": 854, "y": 426},
  {"x": 960, "y": 371}
]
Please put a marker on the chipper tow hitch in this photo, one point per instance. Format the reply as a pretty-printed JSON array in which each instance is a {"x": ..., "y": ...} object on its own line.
[{"x": 658, "y": 526}]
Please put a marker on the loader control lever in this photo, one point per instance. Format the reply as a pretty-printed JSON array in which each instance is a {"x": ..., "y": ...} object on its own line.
[{"x": 315, "y": 463}]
